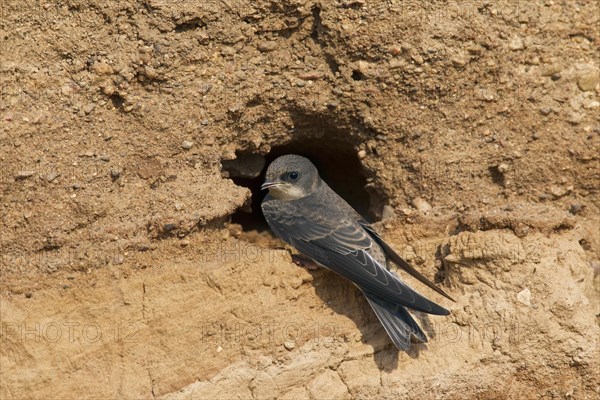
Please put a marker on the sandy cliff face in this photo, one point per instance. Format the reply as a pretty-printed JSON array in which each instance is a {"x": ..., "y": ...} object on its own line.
[{"x": 135, "y": 262}]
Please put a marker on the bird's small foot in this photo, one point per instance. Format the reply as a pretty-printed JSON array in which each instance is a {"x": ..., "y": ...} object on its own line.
[{"x": 304, "y": 262}]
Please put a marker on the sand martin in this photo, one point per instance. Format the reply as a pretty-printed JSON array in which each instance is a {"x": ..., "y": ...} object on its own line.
[{"x": 305, "y": 212}]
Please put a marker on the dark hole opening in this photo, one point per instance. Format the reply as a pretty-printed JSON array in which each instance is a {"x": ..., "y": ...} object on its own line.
[
  {"x": 338, "y": 165},
  {"x": 357, "y": 75},
  {"x": 117, "y": 100},
  {"x": 497, "y": 176},
  {"x": 192, "y": 24}
]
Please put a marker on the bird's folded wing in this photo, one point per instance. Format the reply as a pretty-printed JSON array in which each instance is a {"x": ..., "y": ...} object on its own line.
[
  {"x": 392, "y": 255},
  {"x": 343, "y": 246}
]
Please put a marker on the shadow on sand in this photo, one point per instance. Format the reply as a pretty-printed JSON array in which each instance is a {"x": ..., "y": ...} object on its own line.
[{"x": 341, "y": 296}]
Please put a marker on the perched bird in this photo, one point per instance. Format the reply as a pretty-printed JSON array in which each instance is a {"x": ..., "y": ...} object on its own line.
[{"x": 305, "y": 212}]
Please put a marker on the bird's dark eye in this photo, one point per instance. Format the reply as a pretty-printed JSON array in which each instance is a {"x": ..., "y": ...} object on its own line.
[{"x": 294, "y": 175}]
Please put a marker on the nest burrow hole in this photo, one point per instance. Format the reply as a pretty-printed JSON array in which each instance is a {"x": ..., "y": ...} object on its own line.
[{"x": 336, "y": 160}]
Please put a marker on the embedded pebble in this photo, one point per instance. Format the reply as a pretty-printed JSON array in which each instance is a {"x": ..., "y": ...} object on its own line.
[
  {"x": 550, "y": 70},
  {"x": 205, "y": 88},
  {"x": 187, "y": 144},
  {"x": 52, "y": 176},
  {"x": 145, "y": 246},
  {"x": 575, "y": 117},
  {"x": 267, "y": 46},
  {"x": 108, "y": 89},
  {"x": 289, "y": 345},
  {"x": 24, "y": 175},
  {"x": 227, "y": 51},
  {"x": 588, "y": 81},
  {"x": 150, "y": 72},
  {"x": 417, "y": 58},
  {"x": 575, "y": 208},
  {"x": 396, "y": 63},
  {"x": 421, "y": 204},
  {"x": 388, "y": 213},
  {"x": 169, "y": 227},
  {"x": 516, "y": 43},
  {"x": 460, "y": 60},
  {"x": 502, "y": 168},
  {"x": 88, "y": 108},
  {"x": 310, "y": 76},
  {"x": 558, "y": 192},
  {"x": 395, "y": 50},
  {"x": 475, "y": 49},
  {"x": 102, "y": 68},
  {"x": 524, "y": 297}
]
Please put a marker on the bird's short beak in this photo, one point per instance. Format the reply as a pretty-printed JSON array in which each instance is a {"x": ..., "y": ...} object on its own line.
[{"x": 268, "y": 185}]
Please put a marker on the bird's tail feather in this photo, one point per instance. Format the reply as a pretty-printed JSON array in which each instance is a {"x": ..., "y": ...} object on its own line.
[{"x": 396, "y": 320}]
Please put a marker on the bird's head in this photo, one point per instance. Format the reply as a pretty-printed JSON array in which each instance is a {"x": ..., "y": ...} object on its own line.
[{"x": 291, "y": 177}]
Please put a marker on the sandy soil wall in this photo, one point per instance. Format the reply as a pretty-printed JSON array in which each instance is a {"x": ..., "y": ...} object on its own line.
[{"x": 135, "y": 263}]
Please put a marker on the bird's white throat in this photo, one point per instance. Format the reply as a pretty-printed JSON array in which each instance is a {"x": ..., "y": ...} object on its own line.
[{"x": 286, "y": 192}]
